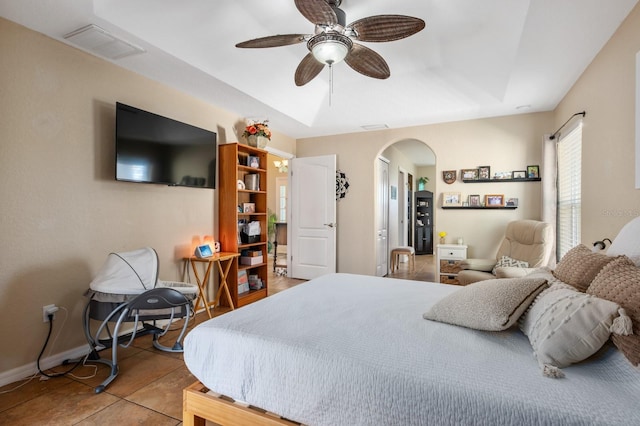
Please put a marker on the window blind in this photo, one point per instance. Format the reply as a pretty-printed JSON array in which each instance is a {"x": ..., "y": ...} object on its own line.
[{"x": 569, "y": 190}]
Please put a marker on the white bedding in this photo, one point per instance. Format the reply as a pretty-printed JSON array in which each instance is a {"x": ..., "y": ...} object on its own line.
[{"x": 354, "y": 350}]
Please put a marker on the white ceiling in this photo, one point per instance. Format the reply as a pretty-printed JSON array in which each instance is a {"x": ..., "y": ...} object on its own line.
[{"x": 474, "y": 59}]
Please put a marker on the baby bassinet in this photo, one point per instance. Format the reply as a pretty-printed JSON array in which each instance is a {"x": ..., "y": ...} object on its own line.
[{"x": 126, "y": 289}]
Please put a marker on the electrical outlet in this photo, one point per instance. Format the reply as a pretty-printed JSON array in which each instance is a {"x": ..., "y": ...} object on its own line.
[{"x": 45, "y": 312}]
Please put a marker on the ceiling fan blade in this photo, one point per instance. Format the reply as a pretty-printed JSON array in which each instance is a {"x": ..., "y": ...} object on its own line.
[
  {"x": 317, "y": 11},
  {"x": 308, "y": 69},
  {"x": 274, "y": 41},
  {"x": 386, "y": 27},
  {"x": 367, "y": 62}
]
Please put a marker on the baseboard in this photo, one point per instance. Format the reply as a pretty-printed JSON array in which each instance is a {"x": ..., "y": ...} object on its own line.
[{"x": 28, "y": 370}]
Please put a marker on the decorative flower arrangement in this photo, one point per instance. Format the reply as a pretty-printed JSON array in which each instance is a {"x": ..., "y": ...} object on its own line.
[
  {"x": 442, "y": 234},
  {"x": 257, "y": 129}
]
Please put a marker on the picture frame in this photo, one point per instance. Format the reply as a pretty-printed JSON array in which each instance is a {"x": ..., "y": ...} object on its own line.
[
  {"x": 502, "y": 175},
  {"x": 494, "y": 200},
  {"x": 253, "y": 162},
  {"x": 474, "y": 200},
  {"x": 249, "y": 207},
  {"x": 519, "y": 174},
  {"x": 451, "y": 199},
  {"x": 512, "y": 202},
  {"x": 469, "y": 174},
  {"x": 484, "y": 172},
  {"x": 533, "y": 172}
]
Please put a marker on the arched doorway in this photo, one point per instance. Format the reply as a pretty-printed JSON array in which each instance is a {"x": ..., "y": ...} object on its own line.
[{"x": 409, "y": 160}]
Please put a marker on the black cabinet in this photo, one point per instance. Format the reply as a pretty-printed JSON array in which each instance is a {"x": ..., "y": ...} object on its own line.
[{"x": 423, "y": 222}]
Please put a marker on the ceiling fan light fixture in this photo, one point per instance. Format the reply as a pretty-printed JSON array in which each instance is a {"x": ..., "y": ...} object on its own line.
[{"x": 329, "y": 48}]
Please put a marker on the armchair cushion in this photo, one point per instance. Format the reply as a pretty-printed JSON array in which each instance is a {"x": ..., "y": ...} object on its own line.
[
  {"x": 478, "y": 264},
  {"x": 513, "y": 272},
  {"x": 469, "y": 276}
]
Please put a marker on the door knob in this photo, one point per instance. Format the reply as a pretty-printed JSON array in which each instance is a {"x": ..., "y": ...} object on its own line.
[{"x": 330, "y": 225}]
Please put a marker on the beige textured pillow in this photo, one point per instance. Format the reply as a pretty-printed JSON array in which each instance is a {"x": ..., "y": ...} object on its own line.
[
  {"x": 619, "y": 282},
  {"x": 490, "y": 305},
  {"x": 566, "y": 326},
  {"x": 579, "y": 266}
]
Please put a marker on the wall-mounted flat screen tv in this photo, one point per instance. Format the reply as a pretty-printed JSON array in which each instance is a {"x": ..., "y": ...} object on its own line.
[{"x": 155, "y": 149}]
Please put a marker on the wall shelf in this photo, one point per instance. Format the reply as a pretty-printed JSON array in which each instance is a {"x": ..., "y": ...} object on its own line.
[{"x": 501, "y": 180}]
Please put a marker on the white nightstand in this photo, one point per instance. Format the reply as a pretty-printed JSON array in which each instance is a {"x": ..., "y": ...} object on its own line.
[{"x": 448, "y": 257}]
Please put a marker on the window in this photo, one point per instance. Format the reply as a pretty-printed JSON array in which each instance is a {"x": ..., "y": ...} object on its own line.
[
  {"x": 569, "y": 190},
  {"x": 281, "y": 193}
]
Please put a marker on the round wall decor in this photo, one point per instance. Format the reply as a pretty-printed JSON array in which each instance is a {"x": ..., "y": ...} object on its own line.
[
  {"x": 449, "y": 176},
  {"x": 342, "y": 185}
]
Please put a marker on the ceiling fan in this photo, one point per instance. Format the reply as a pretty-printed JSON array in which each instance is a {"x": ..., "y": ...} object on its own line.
[{"x": 333, "y": 41}]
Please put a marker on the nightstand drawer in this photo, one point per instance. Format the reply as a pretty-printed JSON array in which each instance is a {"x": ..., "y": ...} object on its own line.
[
  {"x": 450, "y": 266},
  {"x": 449, "y": 279},
  {"x": 455, "y": 253}
]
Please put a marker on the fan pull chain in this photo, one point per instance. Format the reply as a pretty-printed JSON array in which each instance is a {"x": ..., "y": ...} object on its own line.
[{"x": 330, "y": 82}]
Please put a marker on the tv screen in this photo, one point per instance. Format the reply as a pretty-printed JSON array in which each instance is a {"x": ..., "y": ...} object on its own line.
[{"x": 155, "y": 149}]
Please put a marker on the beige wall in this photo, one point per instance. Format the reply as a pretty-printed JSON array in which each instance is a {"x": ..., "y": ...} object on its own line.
[
  {"x": 606, "y": 91},
  {"x": 506, "y": 144},
  {"x": 62, "y": 211}
]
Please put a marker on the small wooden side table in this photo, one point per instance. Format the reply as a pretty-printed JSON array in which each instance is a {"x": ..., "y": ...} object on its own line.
[{"x": 224, "y": 261}]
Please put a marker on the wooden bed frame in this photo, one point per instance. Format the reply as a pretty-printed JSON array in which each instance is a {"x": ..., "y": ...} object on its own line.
[{"x": 198, "y": 406}]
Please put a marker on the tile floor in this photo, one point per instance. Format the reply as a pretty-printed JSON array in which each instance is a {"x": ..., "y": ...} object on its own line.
[{"x": 148, "y": 389}]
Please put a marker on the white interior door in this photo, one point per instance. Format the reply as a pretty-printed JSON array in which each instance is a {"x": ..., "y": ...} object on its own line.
[
  {"x": 312, "y": 181},
  {"x": 382, "y": 218}
]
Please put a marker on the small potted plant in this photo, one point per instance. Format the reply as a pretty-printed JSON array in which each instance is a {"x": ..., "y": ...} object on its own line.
[
  {"x": 271, "y": 229},
  {"x": 422, "y": 182}
]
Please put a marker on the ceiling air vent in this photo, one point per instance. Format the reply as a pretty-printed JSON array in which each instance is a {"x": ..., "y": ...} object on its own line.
[{"x": 99, "y": 42}]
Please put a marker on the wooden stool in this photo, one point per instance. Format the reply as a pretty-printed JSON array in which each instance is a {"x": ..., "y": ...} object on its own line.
[{"x": 397, "y": 252}]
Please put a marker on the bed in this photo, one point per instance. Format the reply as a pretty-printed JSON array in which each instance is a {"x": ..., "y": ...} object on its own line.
[{"x": 348, "y": 349}]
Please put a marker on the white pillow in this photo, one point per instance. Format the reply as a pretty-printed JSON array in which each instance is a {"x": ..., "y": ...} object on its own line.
[
  {"x": 627, "y": 242},
  {"x": 506, "y": 261},
  {"x": 490, "y": 305},
  {"x": 566, "y": 326}
]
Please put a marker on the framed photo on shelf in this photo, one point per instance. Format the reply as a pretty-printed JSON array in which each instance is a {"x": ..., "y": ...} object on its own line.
[
  {"x": 451, "y": 199},
  {"x": 494, "y": 200},
  {"x": 469, "y": 174},
  {"x": 519, "y": 174},
  {"x": 474, "y": 200},
  {"x": 512, "y": 202},
  {"x": 248, "y": 207},
  {"x": 484, "y": 172},
  {"x": 253, "y": 162},
  {"x": 533, "y": 172}
]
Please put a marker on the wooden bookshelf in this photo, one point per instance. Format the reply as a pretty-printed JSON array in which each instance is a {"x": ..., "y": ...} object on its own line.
[{"x": 232, "y": 197}]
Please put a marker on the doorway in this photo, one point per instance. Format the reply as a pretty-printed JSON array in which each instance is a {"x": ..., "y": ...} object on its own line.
[
  {"x": 409, "y": 160},
  {"x": 278, "y": 203}
]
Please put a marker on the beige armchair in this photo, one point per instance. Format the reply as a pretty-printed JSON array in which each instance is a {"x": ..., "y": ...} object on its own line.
[{"x": 529, "y": 241}]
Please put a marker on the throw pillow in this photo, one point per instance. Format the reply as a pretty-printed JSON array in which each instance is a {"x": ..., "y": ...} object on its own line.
[
  {"x": 579, "y": 266},
  {"x": 619, "y": 282},
  {"x": 627, "y": 242},
  {"x": 506, "y": 261},
  {"x": 490, "y": 305},
  {"x": 566, "y": 326}
]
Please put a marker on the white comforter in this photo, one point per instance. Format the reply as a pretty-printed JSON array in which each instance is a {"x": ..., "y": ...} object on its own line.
[{"x": 354, "y": 350}]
